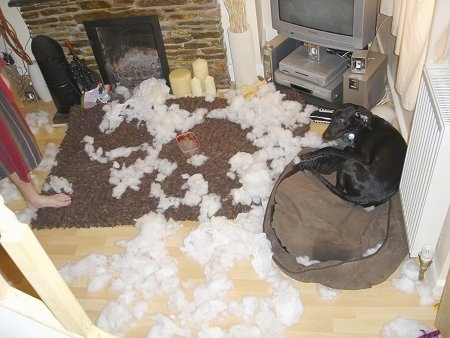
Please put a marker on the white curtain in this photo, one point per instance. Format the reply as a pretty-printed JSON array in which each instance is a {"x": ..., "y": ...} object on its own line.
[{"x": 422, "y": 31}]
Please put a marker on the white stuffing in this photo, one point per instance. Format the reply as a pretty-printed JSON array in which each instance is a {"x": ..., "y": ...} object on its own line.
[
  {"x": 197, "y": 160},
  {"x": 38, "y": 120},
  {"x": 58, "y": 184},
  {"x": 123, "y": 91},
  {"x": 409, "y": 283},
  {"x": 196, "y": 187},
  {"x": 372, "y": 250},
  {"x": 48, "y": 158},
  {"x": 401, "y": 327},
  {"x": 327, "y": 293},
  {"x": 209, "y": 206},
  {"x": 146, "y": 269},
  {"x": 9, "y": 191},
  {"x": 306, "y": 261}
]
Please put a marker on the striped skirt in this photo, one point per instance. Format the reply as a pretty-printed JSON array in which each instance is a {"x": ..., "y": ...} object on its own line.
[{"x": 19, "y": 152}]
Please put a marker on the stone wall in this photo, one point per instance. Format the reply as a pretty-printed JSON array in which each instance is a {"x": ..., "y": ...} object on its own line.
[{"x": 190, "y": 28}]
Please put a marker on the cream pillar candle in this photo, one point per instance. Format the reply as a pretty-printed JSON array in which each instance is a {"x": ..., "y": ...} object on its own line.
[
  {"x": 210, "y": 86},
  {"x": 200, "y": 68},
  {"x": 180, "y": 81},
  {"x": 196, "y": 87}
]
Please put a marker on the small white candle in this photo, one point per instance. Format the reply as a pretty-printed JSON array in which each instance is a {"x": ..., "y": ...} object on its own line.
[
  {"x": 196, "y": 87},
  {"x": 200, "y": 68},
  {"x": 210, "y": 86},
  {"x": 180, "y": 81}
]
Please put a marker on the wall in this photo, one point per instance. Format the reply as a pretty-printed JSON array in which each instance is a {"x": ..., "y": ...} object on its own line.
[
  {"x": 190, "y": 28},
  {"x": 440, "y": 269},
  {"x": 386, "y": 43},
  {"x": 15, "y": 18}
]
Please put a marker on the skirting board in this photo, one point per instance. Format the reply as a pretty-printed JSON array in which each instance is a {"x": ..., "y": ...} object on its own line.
[{"x": 437, "y": 285}]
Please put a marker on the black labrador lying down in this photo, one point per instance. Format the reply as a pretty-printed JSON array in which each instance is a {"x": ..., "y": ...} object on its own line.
[{"x": 369, "y": 168}]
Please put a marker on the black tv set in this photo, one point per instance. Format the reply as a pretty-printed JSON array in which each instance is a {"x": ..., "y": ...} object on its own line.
[{"x": 337, "y": 24}]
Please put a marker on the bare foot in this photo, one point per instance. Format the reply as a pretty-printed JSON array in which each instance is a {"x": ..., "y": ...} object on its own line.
[{"x": 51, "y": 201}]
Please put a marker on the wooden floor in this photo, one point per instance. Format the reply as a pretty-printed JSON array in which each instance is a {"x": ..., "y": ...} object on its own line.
[{"x": 351, "y": 314}]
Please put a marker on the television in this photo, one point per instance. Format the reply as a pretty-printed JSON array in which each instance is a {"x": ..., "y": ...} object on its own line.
[{"x": 345, "y": 25}]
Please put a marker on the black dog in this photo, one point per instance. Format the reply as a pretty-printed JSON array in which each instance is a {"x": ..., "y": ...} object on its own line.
[{"x": 369, "y": 168}]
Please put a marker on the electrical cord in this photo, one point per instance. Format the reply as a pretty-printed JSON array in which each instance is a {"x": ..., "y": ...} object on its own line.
[{"x": 10, "y": 36}]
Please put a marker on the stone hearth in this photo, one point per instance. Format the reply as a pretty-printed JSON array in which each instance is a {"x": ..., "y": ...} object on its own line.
[{"x": 190, "y": 29}]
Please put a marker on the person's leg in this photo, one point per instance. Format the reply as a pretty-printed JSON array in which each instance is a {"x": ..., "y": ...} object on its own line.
[{"x": 36, "y": 200}]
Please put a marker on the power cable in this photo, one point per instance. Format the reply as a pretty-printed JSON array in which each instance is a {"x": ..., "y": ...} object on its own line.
[{"x": 10, "y": 36}]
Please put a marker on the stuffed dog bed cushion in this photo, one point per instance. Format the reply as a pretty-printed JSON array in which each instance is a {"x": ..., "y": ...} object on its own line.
[{"x": 318, "y": 237}]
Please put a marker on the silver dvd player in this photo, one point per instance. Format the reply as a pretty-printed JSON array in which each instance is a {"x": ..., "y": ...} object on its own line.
[
  {"x": 327, "y": 93},
  {"x": 321, "y": 72}
]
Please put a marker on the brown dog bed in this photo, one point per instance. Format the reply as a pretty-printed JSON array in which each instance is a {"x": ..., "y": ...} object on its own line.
[{"x": 353, "y": 247}]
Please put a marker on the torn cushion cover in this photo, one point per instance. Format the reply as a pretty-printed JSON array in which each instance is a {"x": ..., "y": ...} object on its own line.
[{"x": 303, "y": 218}]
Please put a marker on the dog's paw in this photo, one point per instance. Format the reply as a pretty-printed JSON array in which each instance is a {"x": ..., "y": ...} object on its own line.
[
  {"x": 304, "y": 157},
  {"x": 305, "y": 165},
  {"x": 308, "y": 157},
  {"x": 299, "y": 166}
]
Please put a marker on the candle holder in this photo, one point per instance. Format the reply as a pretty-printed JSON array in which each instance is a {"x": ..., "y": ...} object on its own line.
[{"x": 425, "y": 260}]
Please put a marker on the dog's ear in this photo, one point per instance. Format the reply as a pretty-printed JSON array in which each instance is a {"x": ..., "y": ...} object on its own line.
[{"x": 365, "y": 116}]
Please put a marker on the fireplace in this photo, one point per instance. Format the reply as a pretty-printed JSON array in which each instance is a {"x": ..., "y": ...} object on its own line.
[
  {"x": 190, "y": 29},
  {"x": 128, "y": 50}
]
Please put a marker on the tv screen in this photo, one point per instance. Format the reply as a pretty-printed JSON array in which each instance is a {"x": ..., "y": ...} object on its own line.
[
  {"x": 333, "y": 17},
  {"x": 337, "y": 24}
]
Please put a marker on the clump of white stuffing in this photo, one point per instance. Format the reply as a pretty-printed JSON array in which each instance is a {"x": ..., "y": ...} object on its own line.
[
  {"x": 409, "y": 282},
  {"x": 306, "y": 261},
  {"x": 196, "y": 187},
  {"x": 9, "y": 191},
  {"x": 197, "y": 160},
  {"x": 327, "y": 293},
  {"x": 49, "y": 157},
  {"x": 58, "y": 184},
  {"x": 38, "y": 120},
  {"x": 401, "y": 327}
]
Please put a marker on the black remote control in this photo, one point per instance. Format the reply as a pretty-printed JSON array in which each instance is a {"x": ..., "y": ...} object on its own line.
[{"x": 322, "y": 115}]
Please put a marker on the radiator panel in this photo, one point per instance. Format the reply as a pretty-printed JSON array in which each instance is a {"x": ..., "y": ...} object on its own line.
[{"x": 425, "y": 183}]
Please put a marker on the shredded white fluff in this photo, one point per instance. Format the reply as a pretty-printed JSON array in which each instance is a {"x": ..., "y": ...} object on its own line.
[
  {"x": 146, "y": 269},
  {"x": 401, "y": 327},
  {"x": 58, "y": 184},
  {"x": 409, "y": 283},
  {"x": 327, "y": 293},
  {"x": 38, "y": 120}
]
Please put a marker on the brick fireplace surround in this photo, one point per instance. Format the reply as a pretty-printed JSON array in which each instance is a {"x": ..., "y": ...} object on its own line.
[{"x": 190, "y": 28}]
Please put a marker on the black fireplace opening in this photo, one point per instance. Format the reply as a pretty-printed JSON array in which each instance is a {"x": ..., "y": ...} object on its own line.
[{"x": 128, "y": 50}]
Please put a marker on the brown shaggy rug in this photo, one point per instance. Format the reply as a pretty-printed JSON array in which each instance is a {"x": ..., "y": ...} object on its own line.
[{"x": 92, "y": 202}]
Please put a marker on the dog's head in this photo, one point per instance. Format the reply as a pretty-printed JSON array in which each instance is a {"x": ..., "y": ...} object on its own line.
[{"x": 348, "y": 119}]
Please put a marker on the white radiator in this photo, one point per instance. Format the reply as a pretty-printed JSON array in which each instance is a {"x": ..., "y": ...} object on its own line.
[{"x": 425, "y": 183}]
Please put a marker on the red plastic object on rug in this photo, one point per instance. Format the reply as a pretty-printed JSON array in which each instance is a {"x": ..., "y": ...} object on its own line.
[{"x": 188, "y": 143}]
